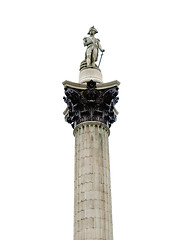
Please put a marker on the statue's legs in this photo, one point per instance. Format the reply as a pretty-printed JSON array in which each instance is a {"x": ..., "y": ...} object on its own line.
[
  {"x": 88, "y": 60},
  {"x": 89, "y": 56},
  {"x": 94, "y": 56}
]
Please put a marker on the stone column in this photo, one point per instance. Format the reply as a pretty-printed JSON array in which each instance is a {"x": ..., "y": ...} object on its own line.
[
  {"x": 90, "y": 111},
  {"x": 92, "y": 190}
]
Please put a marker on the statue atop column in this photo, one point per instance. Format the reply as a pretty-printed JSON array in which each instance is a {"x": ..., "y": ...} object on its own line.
[{"x": 93, "y": 45}]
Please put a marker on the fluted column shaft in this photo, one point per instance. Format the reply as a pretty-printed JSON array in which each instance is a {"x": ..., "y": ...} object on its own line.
[{"x": 92, "y": 187}]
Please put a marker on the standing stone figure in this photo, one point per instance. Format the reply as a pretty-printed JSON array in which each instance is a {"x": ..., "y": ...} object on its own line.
[{"x": 93, "y": 45}]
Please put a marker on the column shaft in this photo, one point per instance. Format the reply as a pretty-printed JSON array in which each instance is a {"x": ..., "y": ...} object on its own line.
[{"x": 92, "y": 188}]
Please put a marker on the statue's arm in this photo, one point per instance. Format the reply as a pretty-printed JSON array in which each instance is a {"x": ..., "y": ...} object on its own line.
[{"x": 99, "y": 46}]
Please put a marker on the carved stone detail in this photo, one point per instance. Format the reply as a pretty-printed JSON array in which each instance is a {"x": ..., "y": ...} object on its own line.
[{"x": 91, "y": 104}]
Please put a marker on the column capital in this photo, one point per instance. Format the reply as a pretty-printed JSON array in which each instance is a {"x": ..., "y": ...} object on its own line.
[{"x": 91, "y": 102}]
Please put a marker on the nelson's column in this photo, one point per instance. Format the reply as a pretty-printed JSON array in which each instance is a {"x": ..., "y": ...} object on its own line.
[{"x": 91, "y": 112}]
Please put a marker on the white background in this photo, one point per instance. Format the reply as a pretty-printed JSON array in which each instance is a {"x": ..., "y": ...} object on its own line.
[{"x": 40, "y": 47}]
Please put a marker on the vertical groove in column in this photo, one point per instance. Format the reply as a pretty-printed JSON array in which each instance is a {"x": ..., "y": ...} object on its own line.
[
  {"x": 109, "y": 191},
  {"x": 108, "y": 188},
  {"x": 105, "y": 187},
  {"x": 75, "y": 187},
  {"x": 78, "y": 169},
  {"x": 101, "y": 193},
  {"x": 86, "y": 168},
  {"x": 75, "y": 195}
]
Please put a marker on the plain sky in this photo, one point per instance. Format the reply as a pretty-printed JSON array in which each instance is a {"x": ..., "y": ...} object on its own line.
[{"x": 40, "y": 47}]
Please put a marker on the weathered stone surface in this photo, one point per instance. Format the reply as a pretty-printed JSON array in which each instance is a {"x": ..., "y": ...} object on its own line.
[
  {"x": 88, "y": 74},
  {"x": 92, "y": 190}
]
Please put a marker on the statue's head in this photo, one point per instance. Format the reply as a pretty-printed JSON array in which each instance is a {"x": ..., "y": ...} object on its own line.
[{"x": 92, "y": 31}]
